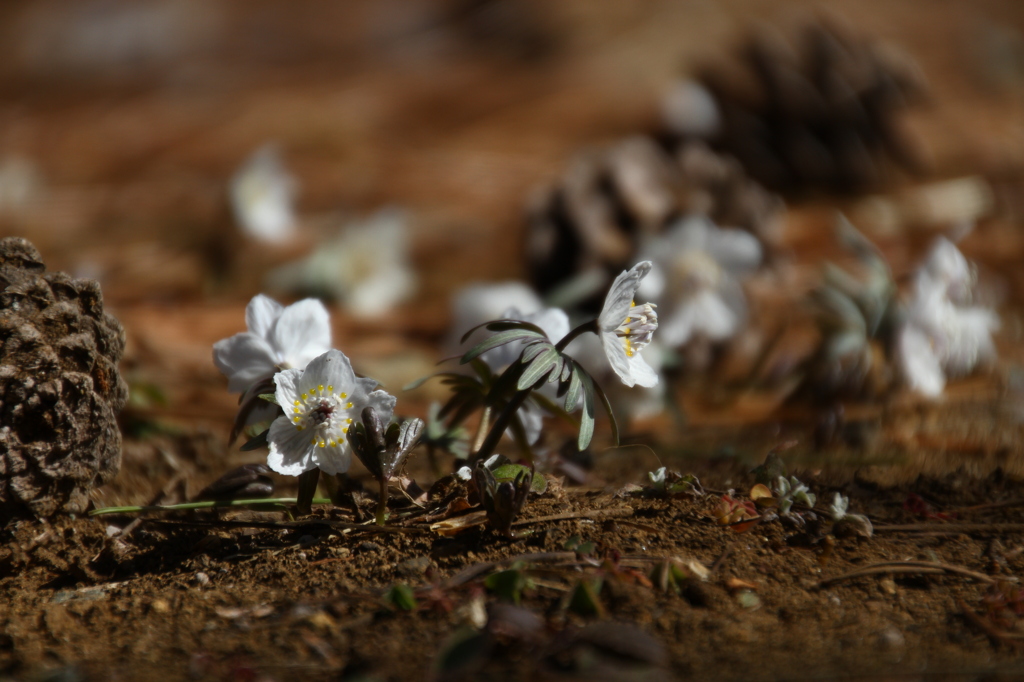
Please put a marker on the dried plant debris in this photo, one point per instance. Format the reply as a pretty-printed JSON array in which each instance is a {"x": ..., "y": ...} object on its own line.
[
  {"x": 820, "y": 112},
  {"x": 590, "y": 224},
  {"x": 60, "y": 389}
]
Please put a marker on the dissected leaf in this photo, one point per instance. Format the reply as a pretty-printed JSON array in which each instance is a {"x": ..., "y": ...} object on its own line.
[
  {"x": 545, "y": 363},
  {"x": 499, "y": 339},
  {"x": 256, "y": 442}
]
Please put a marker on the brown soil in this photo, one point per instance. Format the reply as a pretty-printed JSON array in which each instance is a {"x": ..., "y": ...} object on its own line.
[
  {"x": 210, "y": 597},
  {"x": 136, "y": 149}
]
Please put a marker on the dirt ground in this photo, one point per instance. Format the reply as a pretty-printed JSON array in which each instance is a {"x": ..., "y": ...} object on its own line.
[{"x": 456, "y": 117}]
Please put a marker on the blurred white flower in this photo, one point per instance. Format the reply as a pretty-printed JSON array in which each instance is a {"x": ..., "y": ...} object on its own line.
[
  {"x": 943, "y": 336},
  {"x": 263, "y": 195},
  {"x": 20, "y": 183},
  {"x": 697, "y": 268},
  {"x": 690, "y": 110},
  {"x": 366, "y": 268},
  {"x": 477, "y": 303},
  {"x": 278, "y": 338},
  {"x": 320, "y": 403},
  {"x": 625, "y": 328}
]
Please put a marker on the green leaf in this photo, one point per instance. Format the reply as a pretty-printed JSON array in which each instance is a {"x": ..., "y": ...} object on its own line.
[
  {"x": 482, "y": 371},
  {"x": 257, "y": 442},
  {"x": 269, "y": 397},
  {"x": 463, "y": 652},
  {"x": 422, "y": 380},
  {"x": 544, "y": 363},
  {"x": 509, "y": 584},
  {"x": 499, "y": 339},
  {"x": 585, "y": 600},
  {"x": 572, "y": 396},
  {"x": 401, "y": 597},
  {"x": 587, "y": 416},
  {"x": 509, "y": 472},
  {"x": 504, "y": 325},
  {"x": 533, "y": 350}
]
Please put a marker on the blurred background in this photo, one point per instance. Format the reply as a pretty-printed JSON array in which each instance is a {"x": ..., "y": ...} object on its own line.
[{"x": 190, "y": 154}]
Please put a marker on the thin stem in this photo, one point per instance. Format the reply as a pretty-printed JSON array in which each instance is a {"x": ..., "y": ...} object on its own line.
[
  {"x": 382, "y": 503},
  {"x": 590, "y": 326},
  {"x": 206, "y": 504},
  {"x": 481, "y": 430},
  {"x": 487, "y": 448}
]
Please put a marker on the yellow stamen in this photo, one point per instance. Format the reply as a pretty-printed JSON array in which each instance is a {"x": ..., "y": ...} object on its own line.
[
  {"x": 305, "y": 396},
  {"x": 348, "y": 405},
  {"x": 320, "y": 388},
  {"x": 297, "y": 403},
  {"x": 323, "y": 444},
  {"x": 344, "y": 395},
  {"x": 330, "y": 389}
]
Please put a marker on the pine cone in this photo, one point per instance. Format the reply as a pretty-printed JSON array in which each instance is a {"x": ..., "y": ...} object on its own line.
[
  {"x": 59, "y": 387},
  {"x": 820, "y": 116},
  {"x": 587, "y": 227}
]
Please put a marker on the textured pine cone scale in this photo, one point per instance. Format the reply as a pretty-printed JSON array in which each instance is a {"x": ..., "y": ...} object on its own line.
[{"x": 60, "y": 389}]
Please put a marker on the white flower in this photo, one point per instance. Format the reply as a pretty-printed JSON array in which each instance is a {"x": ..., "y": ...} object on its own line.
[
  {"x": 942, "y": 335},
  {"x": 366, "y": 268},
  {"x": 320, "y": 403},
  {"x": 478, "y": 303},
  {"x": 262, "y": 197},
  {"x": 625, "y": 328},
  {"x": 695, "y": 279},
  {"x": 278, "y": 338}
]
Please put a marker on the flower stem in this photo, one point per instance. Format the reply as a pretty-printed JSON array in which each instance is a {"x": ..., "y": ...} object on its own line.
[
  {"x": 590, "y": 326},
  {"x": 481, "y": 429},
  {"x": 206, "y": 504},
  {"x": 382, "y": 503},
  {"x": 501, "y": 423}
]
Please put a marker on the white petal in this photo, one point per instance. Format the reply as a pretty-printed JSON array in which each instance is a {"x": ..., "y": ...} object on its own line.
[
  {"x": 918, "y": 362},
  {"x": 479, "y": 303},
  {"x": 383, "y": 403},
  {"x": 620, "y": 296},
  {"x": 616, "y": 354},
  {"x": 287, "y": 382},
  {"x": 642, "y": 373},
  {"x": 301, "y": 333},
  {"x": 968, "y": 340},
  {"x": 260, "y": 315},
  {"x": 244, "y": 359},
  {"x": 377, "y": 294},
  {"x": 676, "y": 329},
  {"x": 532, "y": 418},
  {"x": 713, "y": 317},
  {"x": 291, "y": 452},
  {"x": 737, "y": 251},
  {"x": 333, "y": 459},
  {"x": 329, "y": 369}
]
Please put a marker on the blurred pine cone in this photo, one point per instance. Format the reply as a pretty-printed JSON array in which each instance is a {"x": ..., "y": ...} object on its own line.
[
  {"x": 585, "y": 229},
  {"x": 820, "y": 115},
  {"x": 60, "y": 388}
]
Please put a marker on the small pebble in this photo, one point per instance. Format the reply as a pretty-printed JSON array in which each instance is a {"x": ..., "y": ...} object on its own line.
[
  {"x": 369, "y": 546},
  {"x": 202, "y": 579}
]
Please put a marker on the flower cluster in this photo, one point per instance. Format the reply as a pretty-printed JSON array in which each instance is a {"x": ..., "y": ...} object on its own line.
[
  {"x": 944, "y": 335},
  {"x": 323, "y": 411}
]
